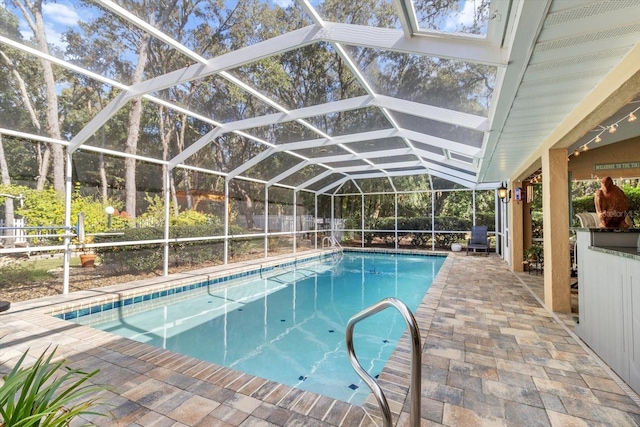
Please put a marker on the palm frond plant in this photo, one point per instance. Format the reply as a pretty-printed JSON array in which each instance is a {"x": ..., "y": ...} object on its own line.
[{"x": 46, "y": 394}]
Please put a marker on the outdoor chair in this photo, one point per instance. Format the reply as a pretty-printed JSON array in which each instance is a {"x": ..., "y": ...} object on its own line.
[
  {"x": 588, "y": 219},
  {"x": 479, "y": 239}
]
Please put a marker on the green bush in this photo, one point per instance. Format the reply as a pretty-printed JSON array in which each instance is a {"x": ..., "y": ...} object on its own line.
[
  {"x": 536, "y": 225},
  {"x": 148, "y": 257},
  {"x": 139, "y": 257},
  {"x": 633, "y": 195},
  {"x": 42, "y": 208},
  {"x": 584, "y": 204},
  {"x": 587, "y": 204},
  {"x": 386, "y": 225},
  {"x": 488, "y": 219},
  {"x": 444, "y": 240}
]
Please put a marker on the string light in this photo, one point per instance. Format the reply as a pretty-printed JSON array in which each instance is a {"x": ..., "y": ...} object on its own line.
[
  {"x": 612, "y": 128},
  {"x": 535, "y": 177}
]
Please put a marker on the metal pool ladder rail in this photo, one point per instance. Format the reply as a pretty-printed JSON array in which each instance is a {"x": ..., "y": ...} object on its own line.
[
  {"x": 416, "y": 365},
  {"x": 331, "y": 241}
]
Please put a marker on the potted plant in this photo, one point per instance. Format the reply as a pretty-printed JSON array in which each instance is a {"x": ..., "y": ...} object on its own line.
[
  {"x": 46, "y": 393},
  {"x": 534, "y": 253},
  {"x": 533, "y": 257},
  {"x": 88, "y": 256}
]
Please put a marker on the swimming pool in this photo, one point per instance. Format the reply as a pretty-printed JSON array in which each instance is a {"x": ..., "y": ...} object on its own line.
[{"x": 288, "y": 324}]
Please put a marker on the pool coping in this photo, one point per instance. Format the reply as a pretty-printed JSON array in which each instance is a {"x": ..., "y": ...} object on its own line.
[
  {"x": 217, "y": 280},
  {"x": 394, "y": 378}
]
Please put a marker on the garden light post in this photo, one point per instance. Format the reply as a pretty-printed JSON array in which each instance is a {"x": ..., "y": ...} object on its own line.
[{"x": 109, "y": 210}]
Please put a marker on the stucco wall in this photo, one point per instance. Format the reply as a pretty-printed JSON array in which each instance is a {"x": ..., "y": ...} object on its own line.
[{"x": 582, "y": 166}]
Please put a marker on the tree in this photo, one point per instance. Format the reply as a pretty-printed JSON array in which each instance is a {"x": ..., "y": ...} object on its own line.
[
  {"x": 32, "y": 13},
  {"x": 9, "y": 217}
]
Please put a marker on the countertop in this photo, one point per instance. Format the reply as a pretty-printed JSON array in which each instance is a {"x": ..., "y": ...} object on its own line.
[
  {"x": 609, "y": 230},
  {"x": 621, "y": 251}
]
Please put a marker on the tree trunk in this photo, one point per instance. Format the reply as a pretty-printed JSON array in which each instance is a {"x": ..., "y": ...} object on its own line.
[
  {"x": 174, "y": 197},
  {"x": 9, "y": 217},
  {"x": 135, "y": 115},
  {"x": 248, "y": 210},
  {"x": 22, "y": 88},
  {"x": 165, "y": 137},
  {"x": 44, "y": 156},
  {"x": 248, "y": 204},
  {"x": 186, "y": 178},
  {"x": 42, "y": 160},
  {"x": 102, "y": 170},
  {"x": 53, "y": 125}
]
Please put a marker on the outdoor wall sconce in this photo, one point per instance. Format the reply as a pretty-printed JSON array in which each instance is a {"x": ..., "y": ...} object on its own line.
[{"x": 504, "y": 194}]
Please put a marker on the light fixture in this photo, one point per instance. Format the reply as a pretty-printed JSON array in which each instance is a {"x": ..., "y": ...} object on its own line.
[
  {"x": 576, "y": 152},
  {"x": 585, "y": 147},
  {"x": 613, "y": 127},
  {"x": 504, "y": 194},
  {"x": 109, "y": 210}
]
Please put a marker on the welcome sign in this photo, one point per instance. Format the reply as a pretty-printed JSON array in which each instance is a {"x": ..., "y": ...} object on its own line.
[{"x": 614, "y": 166}]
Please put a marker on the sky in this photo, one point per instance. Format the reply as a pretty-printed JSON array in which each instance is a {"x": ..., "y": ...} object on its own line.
[
  {"x": 466, "y": 16},
  {"x": 62, "y": 14},
  {"x": 57, "y": 18}
]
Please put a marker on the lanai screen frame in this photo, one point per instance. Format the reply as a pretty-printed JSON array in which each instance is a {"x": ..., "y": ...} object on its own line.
[
  {"x": 68, "y": 248},
  {"x": 433, "y": 155}
]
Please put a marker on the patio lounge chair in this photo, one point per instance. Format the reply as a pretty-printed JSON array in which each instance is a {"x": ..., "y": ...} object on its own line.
[{"x": 479, "y": 239}]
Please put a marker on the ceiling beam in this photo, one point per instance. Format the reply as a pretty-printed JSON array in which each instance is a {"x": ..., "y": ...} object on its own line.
[
  {"x": 444, "y": 115},
  {"x": 273, "y": 46},
  {"x": 290, "y": 171},
  {"x": 445, "y": 144},
  {"x": 460, "y": 49}
]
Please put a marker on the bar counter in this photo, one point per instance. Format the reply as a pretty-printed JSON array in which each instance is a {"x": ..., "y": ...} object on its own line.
[{"x": 609, "y": 298}]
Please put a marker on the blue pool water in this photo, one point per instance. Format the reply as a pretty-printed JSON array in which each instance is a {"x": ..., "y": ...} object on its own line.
[{"x": 287, "y": 325}]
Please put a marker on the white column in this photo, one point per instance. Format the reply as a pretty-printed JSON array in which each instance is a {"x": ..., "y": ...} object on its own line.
[
  {"x": 396, "y": 215},
  {"x": 295, "y": 220},
  {"x": 226, "y": 221},
  {"x": 315, "y": 222},
  {"x": 167, "y": 205},
  {"x": 362, "y": 220},
  {"x": 266, "y": 221},
  {"x": 433, "y": 221},
  {"x": 68, "y": 189}
]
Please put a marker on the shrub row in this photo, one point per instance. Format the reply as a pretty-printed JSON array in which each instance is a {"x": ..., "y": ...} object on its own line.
[
  {"x": 586, "y": 203},
  {"x": 148, "y": 257},
  {"x": 444, "y": 223}
]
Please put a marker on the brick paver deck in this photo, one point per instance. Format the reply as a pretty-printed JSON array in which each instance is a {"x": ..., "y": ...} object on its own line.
[{"x": 492, "y": 355}]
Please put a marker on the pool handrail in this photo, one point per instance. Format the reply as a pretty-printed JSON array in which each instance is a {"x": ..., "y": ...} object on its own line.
[
  {"x": 416, "y": 362},
  {"x": 332, "y": 240},
  {"x": 335, "y": 242}
]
